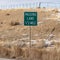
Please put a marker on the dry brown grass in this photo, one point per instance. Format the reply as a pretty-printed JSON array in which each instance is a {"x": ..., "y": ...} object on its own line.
[
  {"x": 12, "y": 29},
  {"x": 12, "y": 52},
  {"x": 42, "y": 54},
  {"x": 51, "y": 53},
  {"x": 4, "y": 52}
]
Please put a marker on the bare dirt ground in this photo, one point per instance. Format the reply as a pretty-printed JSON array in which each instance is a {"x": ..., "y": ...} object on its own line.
[{"x": 14, "y": 36}]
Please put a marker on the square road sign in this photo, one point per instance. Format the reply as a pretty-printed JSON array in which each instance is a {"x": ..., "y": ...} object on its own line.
[{"x": 30, "y": 18}]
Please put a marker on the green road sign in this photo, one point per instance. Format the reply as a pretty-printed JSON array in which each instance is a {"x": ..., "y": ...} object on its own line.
[{"x": 30, "y": 18}]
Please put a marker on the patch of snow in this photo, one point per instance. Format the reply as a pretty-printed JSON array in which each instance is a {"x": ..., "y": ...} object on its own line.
[
  {"x": 25, "y": 38},
  {"x": 24, "y": 34},
  {"x": 36, "y": 35},
  {"x": 6, "y": 59},
  {"x": 47, "y": 42},
  {"x": 40, "y": 23},
  {"x": 33, "y": 41},
  {"x": 47, "y": 18},
  {"x": 58, "y": 20},
  {"x": 58, "y": 15}
]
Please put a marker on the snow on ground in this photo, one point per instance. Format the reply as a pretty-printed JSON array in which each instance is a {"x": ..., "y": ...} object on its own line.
[{"x": 6, "y": 59}]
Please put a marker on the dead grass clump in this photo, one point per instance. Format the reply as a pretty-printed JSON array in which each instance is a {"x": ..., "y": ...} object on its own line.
[
  {"x": 4, "y": 52},
  {"x": 33, "y": 54},
  {"x": 14, "y": 23},
  {"x": 55, "y": 10},
  {"x": 7, "y": 14},
  {"x": 12, "y": 52},
  {"x": 42, "y": 54},
  {"x": 51, "y": 54},
  {"x": 56, "y": 43},
  {"x": 1, "y": 22},
  {"x": 16, "y": 52}
]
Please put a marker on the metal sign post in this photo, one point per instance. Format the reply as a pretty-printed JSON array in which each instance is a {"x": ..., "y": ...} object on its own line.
[{"x": 30, "y": 19}]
